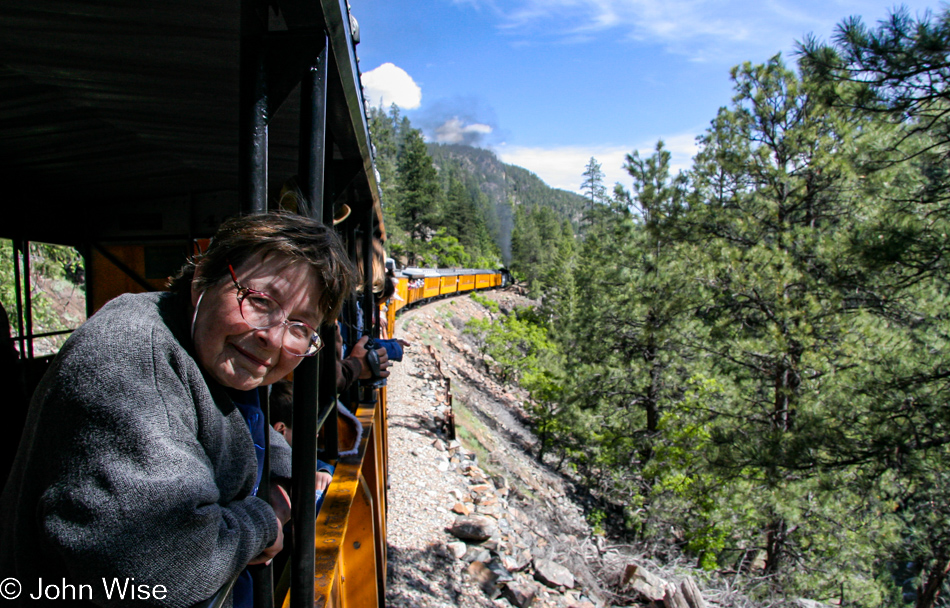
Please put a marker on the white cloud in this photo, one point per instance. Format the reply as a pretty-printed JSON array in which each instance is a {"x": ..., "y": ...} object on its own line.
[
  {"x": 563, "y": 166},
  {"x": 389, "y": 84},
  {"x": 454, "y": 131}
]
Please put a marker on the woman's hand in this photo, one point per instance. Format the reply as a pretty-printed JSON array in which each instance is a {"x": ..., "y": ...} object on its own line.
[
  {"x": 280, "y": 502},
  {"x": 272, "y": 550}
]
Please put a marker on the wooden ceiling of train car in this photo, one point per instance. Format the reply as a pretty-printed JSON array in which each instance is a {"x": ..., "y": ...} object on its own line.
[{"x": 121, "y": 118}]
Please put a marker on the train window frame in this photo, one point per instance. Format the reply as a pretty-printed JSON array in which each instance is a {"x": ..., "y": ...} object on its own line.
[{"x": 18, "y": 259}]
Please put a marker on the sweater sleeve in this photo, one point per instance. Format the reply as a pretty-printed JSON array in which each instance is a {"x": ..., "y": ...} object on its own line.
[
  {"x": 348, "y": 370},
  {"x": 281, "y": 456},
  {"x": 149, "y": 475}
]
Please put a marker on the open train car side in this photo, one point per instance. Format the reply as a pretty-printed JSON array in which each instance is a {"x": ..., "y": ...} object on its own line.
[{"x": 130, "y": 131}]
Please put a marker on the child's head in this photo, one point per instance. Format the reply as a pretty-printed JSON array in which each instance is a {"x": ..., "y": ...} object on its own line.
[{"x": 282, "y": 408}]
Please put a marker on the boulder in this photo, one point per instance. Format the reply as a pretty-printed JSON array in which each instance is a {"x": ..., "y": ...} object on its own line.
[
  {"x": 486, "y": 500},
  {"x": 503, "y": 575},
  {"x": 553, "y": 575},
  {"x": 485, "y": 578},
  {"x": 513, "y": 563},
  {"x": 476, "y": 554},
  {"x": 458, "y": 549},
  {"x": 518, "y": 594},
  {"x": 647, "y": 584},
  {"x": 473, "y": 528},
  {"x": 690, "y": 592}
]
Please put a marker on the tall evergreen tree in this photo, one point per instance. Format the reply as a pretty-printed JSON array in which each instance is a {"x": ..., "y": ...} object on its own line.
[
  {"x": 627, "y": 351},
  {"x": 777, "y": 214},
  {"x": 420, "y": 205},
  {"x": 593, "y": 185},
  {"x": 895, "y": 78}
]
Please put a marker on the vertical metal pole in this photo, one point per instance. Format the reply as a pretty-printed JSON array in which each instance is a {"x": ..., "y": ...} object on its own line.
[
  {"x": 366, "y": 224},
  {"x": 90, "y": 278},
  {"x": 304, "y": 483},
  {"x": 310, "y": 169},
  {"x": 311, "y": 155},
  {"x": 328, "y": 362},
  {"x": 252, "y": 189},
  {"x": 352, "y": 393},
  {"x": 252, "y": 162},
  {"x": 19, "y": 298},
  {"x": 27, "y": 300}
]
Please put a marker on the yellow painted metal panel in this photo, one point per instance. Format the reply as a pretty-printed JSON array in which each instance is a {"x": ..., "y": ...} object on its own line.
[
  {"x": 402, "y": 290},
  {"x": 336, "y": 515},
  {"x": 431, "y": 288},
  {"x": 358, "y": 568},
  {"x": 448, "y": 284}
]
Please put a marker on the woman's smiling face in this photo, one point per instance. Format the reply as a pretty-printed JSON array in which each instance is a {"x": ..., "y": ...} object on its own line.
[{"x": 232, "y": 352}]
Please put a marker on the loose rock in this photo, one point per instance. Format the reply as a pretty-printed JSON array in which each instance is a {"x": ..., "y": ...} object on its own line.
[{"x": 553, "y": 575}]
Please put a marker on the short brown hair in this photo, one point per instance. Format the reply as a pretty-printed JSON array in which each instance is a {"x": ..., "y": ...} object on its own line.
[{"x": 295, "y": 236}]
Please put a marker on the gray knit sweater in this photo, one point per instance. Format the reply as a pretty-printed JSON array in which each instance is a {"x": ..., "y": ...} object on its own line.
[{"x": 134, "y": 465}]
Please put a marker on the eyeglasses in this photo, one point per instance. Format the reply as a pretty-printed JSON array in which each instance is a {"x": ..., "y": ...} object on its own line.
[{"x": 261, "y": 311}]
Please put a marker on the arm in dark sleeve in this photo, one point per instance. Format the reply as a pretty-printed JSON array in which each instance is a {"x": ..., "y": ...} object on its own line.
[{"x": 347, "y": 371}]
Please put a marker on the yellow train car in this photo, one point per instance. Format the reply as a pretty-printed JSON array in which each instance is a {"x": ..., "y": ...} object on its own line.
[
  {"x": 448, "y": 282},
  {"x": 415, "y": 285},
  {"x": 431, "y": 288},
  {"x": 402, "y": 293}
]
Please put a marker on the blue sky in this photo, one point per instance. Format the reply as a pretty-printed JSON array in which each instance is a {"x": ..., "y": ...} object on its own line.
[{"x": 546, "y": 84}]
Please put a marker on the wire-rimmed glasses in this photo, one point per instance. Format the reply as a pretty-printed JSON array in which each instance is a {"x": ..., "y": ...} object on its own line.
[{"x": 261, "y": 311}]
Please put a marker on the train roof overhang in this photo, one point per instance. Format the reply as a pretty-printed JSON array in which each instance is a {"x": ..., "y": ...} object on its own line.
[{"x": 120, "y": 120}]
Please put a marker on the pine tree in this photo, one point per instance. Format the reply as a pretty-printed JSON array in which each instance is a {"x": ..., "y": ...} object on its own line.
[
  {"x": 627, "y": 363},
  {"x": 593, "y": 185},
  {"x": 777, "y": 212},
  {"x": 419, "y": 208},
  {"x": 895, "y": 78}
]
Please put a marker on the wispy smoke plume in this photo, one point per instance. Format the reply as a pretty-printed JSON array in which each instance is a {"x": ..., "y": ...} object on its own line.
[
  {"x": 506, "y": 224},
  {"x": 460, "y": 120},
  {"x": 454, "y": 131}
]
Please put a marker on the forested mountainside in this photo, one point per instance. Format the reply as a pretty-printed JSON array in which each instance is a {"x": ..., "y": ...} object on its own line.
[
  {"x": 505, "y": 183},
  {"x": 456, "y": 205}
]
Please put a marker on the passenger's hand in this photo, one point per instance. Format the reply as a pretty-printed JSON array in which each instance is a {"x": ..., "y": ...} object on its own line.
[
  {"x": 403, "y": 343},
  {"x": 280, "y": 502},
  {"x": 270, "y": 552},
  {"x": 323, "y": 480},
  {"x": 359, "y": 352}
]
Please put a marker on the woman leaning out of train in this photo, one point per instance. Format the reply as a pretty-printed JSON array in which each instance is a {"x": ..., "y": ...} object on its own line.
[{"x": 136, "y": 478}]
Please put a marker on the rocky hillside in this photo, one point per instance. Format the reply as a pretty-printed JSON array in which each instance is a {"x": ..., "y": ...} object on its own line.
[{"x": 476, "y": 521}]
